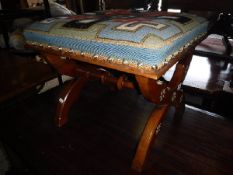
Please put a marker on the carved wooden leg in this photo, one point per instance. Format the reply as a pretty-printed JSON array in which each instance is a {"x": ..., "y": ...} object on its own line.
[
  {"x": 164, "y": 94},
  {"x": 66, "y": 99},
  {"x": 148, "y": 136}
]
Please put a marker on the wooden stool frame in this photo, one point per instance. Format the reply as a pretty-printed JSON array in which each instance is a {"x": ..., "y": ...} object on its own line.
[{"x": 162, "y": 93}]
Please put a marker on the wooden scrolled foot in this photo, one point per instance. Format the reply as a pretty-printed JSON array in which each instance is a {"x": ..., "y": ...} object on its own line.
[
  {"x": 66, "y": 99},
  {"x": 148, "y": 136}
]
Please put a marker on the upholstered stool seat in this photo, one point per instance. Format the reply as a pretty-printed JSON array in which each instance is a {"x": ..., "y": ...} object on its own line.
[{"x": 138, "y": 40}]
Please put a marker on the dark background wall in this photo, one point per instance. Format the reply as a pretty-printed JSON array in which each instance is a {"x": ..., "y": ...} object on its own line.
[{"x": 211, "y": 5}]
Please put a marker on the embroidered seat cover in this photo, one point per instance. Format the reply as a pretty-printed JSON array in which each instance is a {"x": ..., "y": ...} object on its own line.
[{"x": 145, "y": 39}]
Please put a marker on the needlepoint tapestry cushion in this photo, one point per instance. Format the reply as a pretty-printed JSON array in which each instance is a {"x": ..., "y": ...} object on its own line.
[{"x": 145, "y": 39}]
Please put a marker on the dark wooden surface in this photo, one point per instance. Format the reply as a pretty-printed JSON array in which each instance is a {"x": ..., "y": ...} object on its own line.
[
  {"x": 20, "y": 74},
  {"x": 207, "y": 5},
  {"x": 102, "y": 133},
  {"x": 207, "y": 82},
  {"x": 104, "y": 126}
]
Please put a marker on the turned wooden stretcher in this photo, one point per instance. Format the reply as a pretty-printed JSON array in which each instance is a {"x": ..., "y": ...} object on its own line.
[{"x": 108, "y": 51}]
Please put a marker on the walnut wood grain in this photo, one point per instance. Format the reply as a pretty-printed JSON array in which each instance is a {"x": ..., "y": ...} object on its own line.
[
  {"x": 66, "y": 99},
  {"x": 150, "y": 132}
]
